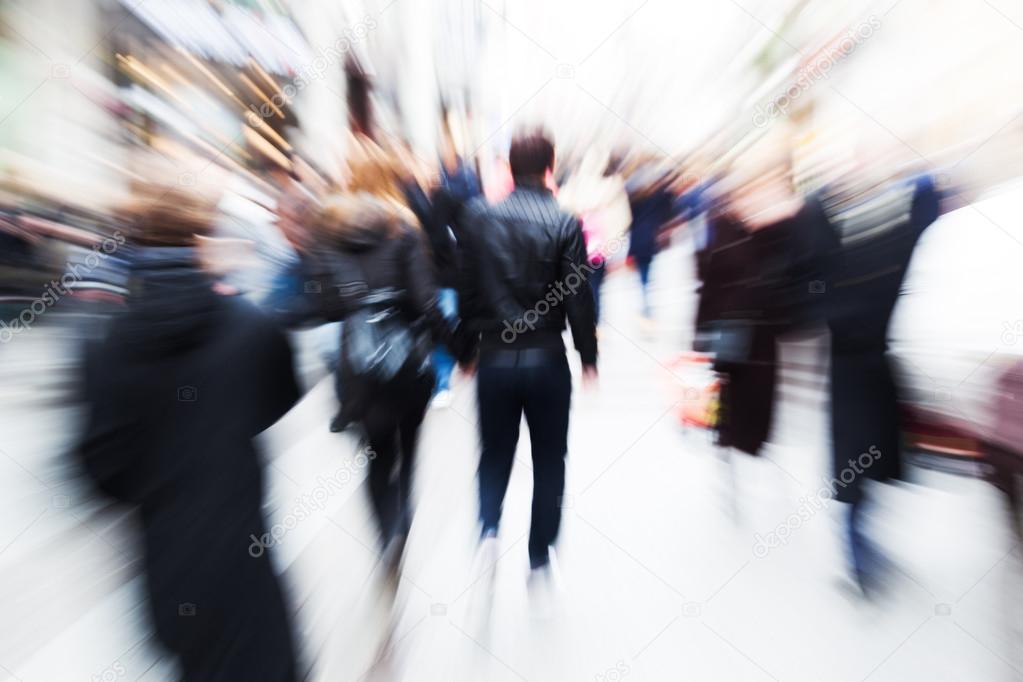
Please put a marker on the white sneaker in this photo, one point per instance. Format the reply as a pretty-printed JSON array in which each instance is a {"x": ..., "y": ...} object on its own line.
[
  {"x": 487, "y": 555},
  {"x": 441, "y": 400},
  {"x": 546, "y": 590},
  {"x": 483, "y": 577}
]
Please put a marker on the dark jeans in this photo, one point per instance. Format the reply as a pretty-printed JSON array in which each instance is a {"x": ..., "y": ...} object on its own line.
[
  {"x": 867, "y": 560},
  {"x": 643, "y": 267},
  {"x": 536, "y": 383},
  {"x": 443, "y": 363},
  {"x": 391, "y": 418}
]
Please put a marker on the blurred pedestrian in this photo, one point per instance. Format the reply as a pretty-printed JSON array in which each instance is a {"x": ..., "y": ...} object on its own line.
[
  {"x": 652, "y": 207},
  {"x": 734, "y": 312},
  {"x": 872, "y": 241},
  {"x": 525, "y": 272},
  {"x": 377, "y": 279},
  {"x": 175, "y": 394},
  {"x": 439, "y": 213}
]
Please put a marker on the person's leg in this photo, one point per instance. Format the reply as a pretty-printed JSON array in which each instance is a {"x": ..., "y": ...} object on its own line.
[
  {"x": 596, "y": 281},
  {"x": 418, "y": 397},
  {"x": 500, "y": 412},
  {"x": 866, "y": 560},
  {"x": 643, "y": 267},
  {"x": 547, "y": 401},
  {"x": 343, "y": 417},
  {"x": 443, "y": 363},
  {"x": 382, "y": 432}
]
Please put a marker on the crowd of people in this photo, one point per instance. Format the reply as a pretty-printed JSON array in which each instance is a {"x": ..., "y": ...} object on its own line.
[
  {"x": 414, "y": 270},
  {"x": 362, "y": 258}
]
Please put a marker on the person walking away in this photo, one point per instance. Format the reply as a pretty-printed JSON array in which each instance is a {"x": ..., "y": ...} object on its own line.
[
  {"x": 439, "y": 215},
  {"x": 174, "y": 395},
  {"x": 377, "y": 279},
  {"x": 524, "y": 274},
  {"x": 735, "y": 311},
  {"x": 652, "y": 207},
  {"x": 873, "y": 238}
]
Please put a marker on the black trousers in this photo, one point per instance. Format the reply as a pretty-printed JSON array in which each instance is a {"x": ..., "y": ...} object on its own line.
[
  {"x": 391, "y": 416},
  {"x": 537, "y": 384}
]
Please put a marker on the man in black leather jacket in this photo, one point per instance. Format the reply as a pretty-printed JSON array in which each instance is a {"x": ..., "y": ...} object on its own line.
[{"x": 524, "y": 271}]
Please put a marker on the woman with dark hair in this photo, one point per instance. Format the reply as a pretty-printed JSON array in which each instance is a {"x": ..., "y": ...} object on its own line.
[{"x": 175, "y": 394}]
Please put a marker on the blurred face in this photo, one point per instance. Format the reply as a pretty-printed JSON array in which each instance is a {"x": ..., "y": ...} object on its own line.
[{"x": 280, "y": 178}]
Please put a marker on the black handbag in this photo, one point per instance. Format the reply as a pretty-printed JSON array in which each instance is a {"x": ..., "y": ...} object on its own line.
[{"x": 378, "y": 340}]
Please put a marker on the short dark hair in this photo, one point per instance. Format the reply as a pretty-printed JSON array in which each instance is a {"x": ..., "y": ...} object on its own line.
[{"x": 531, "y": 154}]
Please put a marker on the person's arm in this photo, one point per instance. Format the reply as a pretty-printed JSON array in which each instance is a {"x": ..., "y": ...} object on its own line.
[
  {"x": 279, "y": 390},
  {"x": 109, "y": 448},
  {"x": 572, "y": 263},
  {"x": 421, "y": 289}
]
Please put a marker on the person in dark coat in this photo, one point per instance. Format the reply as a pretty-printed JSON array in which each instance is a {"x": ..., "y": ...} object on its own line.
[
  {"x": 525, "y": 275},
  {"x": 457, "y": 187},
  {"x": 872, "y": 241},
  {"x": 175, "y": 394},
  {"x": 372, "y": 251},
  {"x": 734, "y": 271},
  {"x": 652, "y": 207}
]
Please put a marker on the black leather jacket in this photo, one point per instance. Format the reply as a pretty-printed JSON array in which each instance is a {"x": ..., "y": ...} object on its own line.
[{"x": 524, "y": 271}]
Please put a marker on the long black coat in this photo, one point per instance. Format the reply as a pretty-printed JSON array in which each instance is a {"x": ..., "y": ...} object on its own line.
[
  {"x": 736, "y": 274},
  {"x": 864, "y": 271},
  {"x": 175, "y": 394}
]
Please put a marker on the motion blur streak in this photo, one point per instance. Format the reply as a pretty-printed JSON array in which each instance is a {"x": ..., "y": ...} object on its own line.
[{"x": 281, "y": 280}]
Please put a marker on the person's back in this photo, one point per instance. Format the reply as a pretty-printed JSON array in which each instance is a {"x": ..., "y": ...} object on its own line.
[
  {"x": 379, "y": 282},
  {"x": 526, "y": 272},
  {"x": 527, "y": 260},
  {"x": 175, "y": 393},
  {"x": 872, "y": 240}
]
